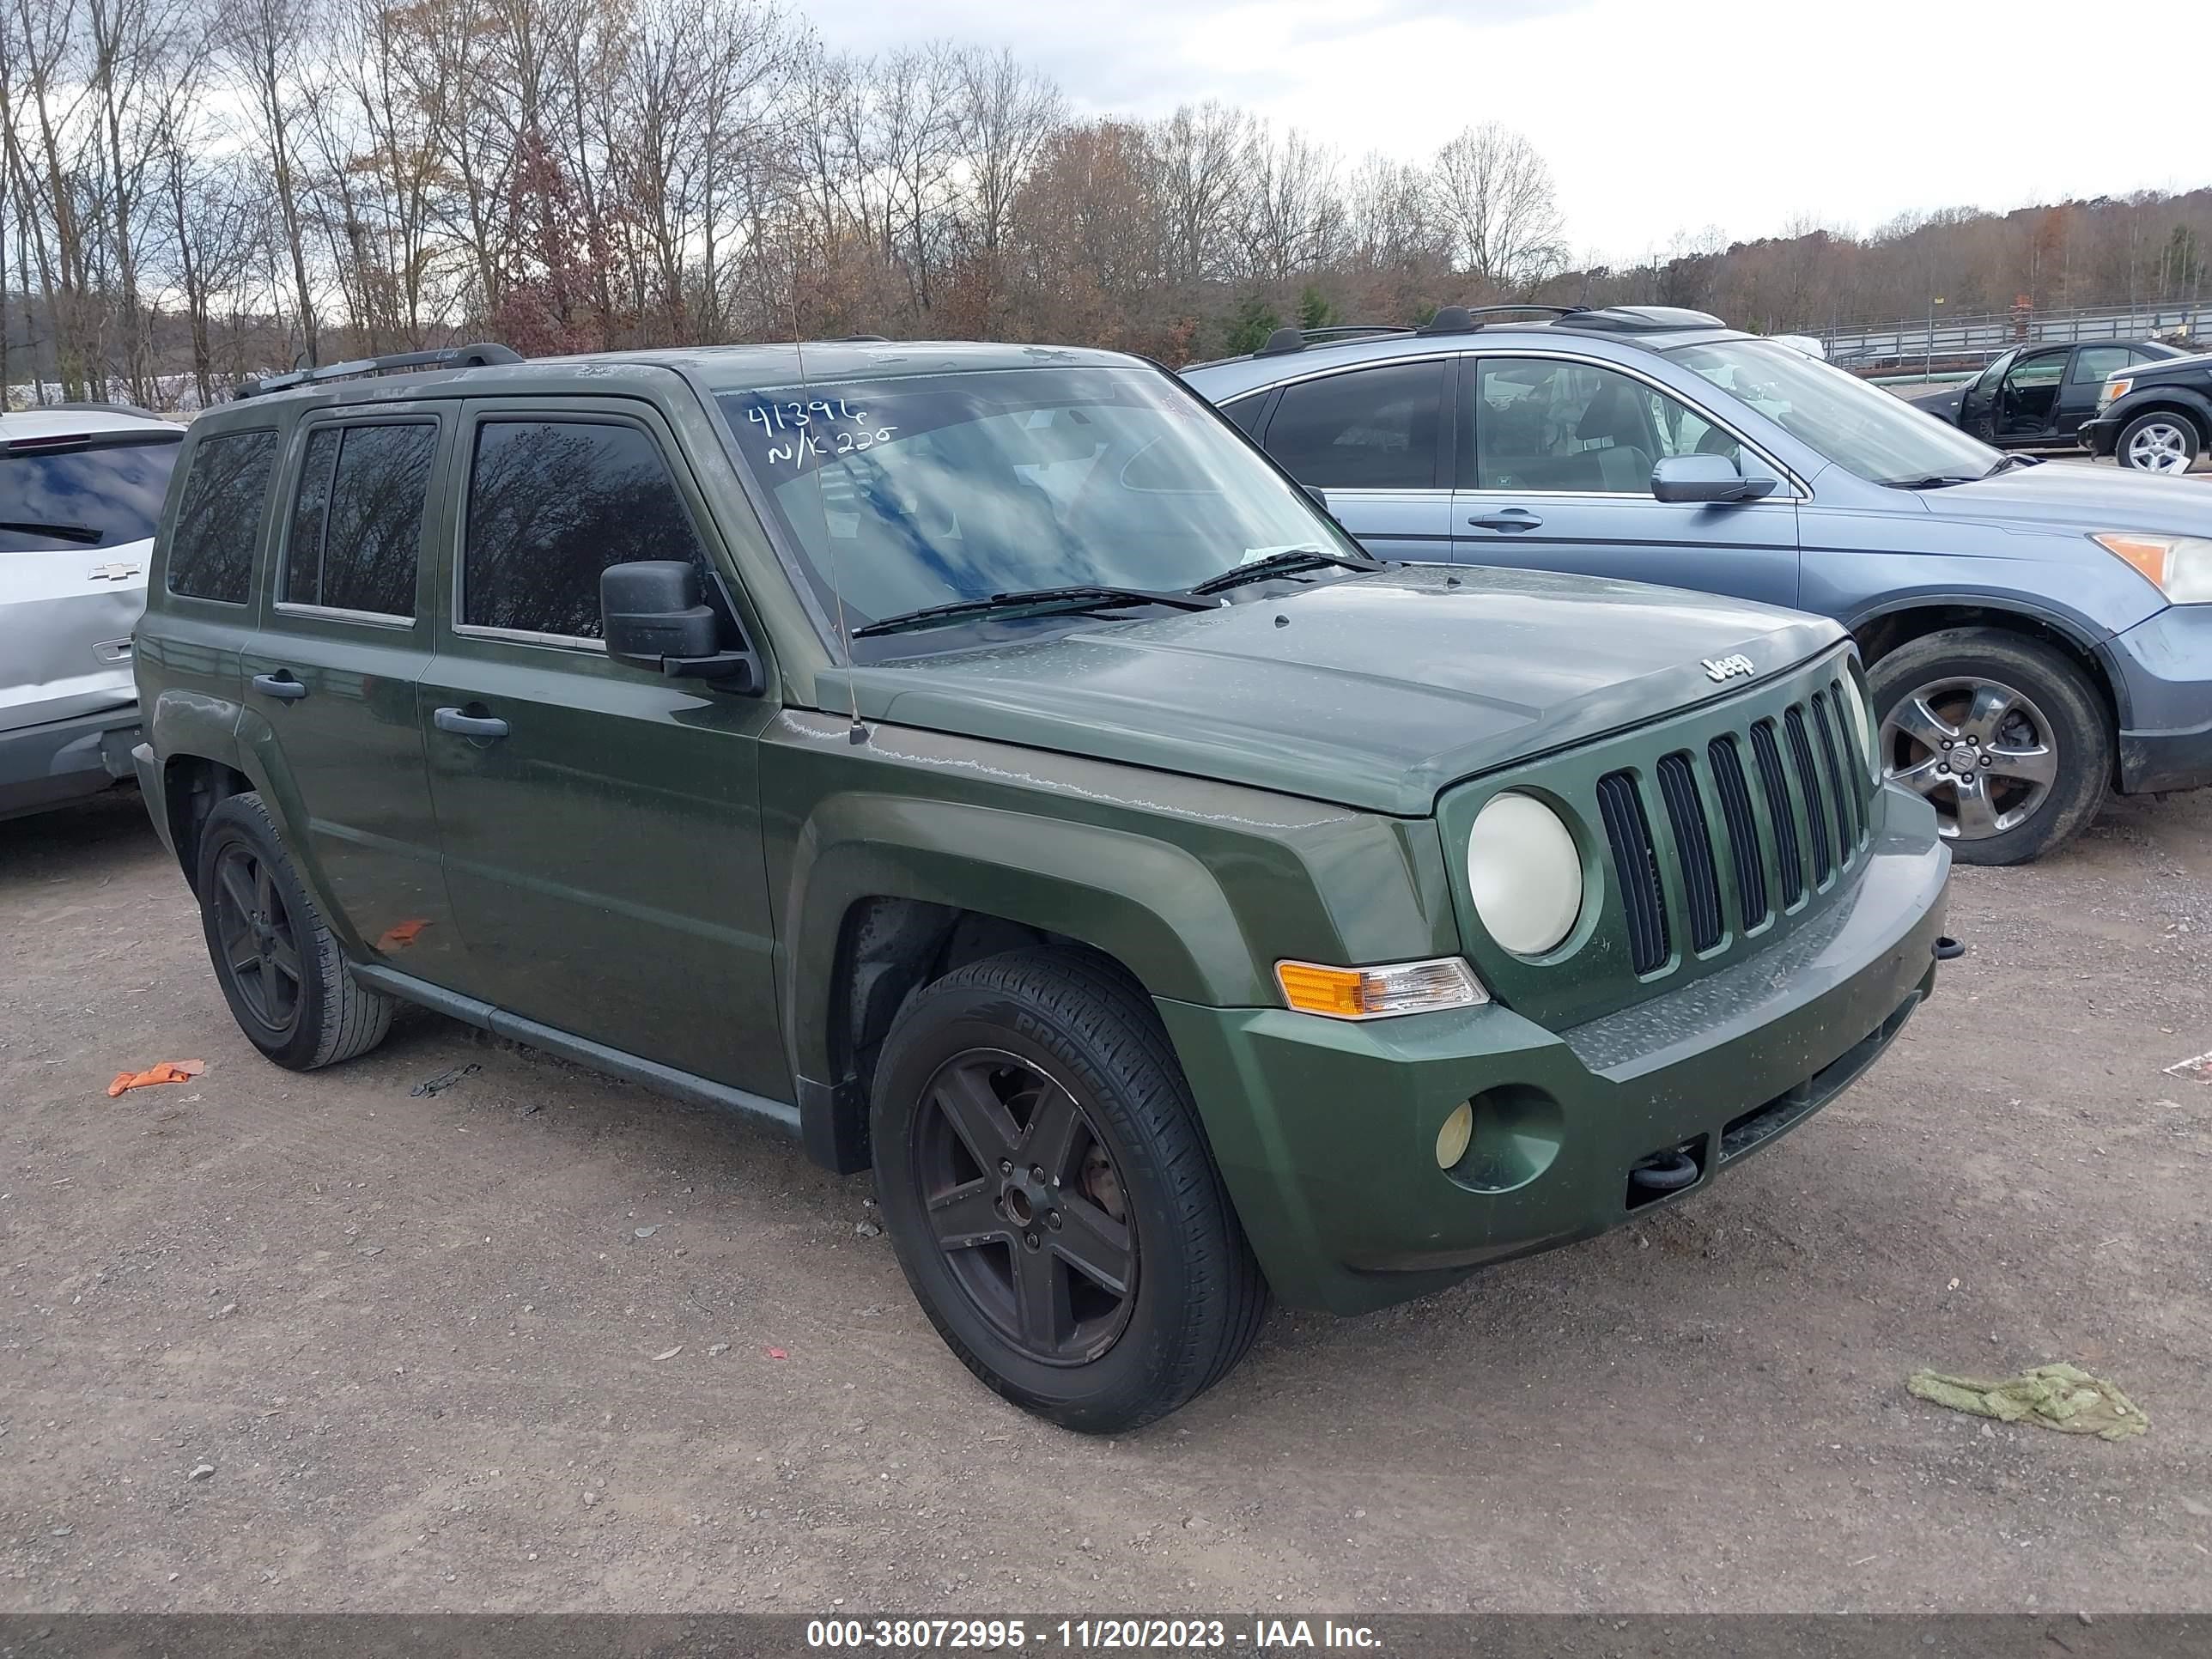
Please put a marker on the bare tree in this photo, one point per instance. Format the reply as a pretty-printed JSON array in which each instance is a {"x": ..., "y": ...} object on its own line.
[{"x": 1494, "y": 192}]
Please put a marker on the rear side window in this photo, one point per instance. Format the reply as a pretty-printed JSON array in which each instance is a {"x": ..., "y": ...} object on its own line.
[
  {"x": 357, "y": 518},
  {"x": 1374, "y": 429},
  {"x": 219, "y": 516},
  {"x": 75, "y": 494},
  {"x": 553, "y": 503},
  {"x": 2093, "y": 363}
]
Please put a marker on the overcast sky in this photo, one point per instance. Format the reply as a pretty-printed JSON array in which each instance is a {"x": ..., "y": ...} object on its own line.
[{"x": 1656, "y": 116}]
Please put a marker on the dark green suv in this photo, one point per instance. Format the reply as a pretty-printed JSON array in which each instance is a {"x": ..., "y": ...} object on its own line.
[{"x": 984, "y": 763}]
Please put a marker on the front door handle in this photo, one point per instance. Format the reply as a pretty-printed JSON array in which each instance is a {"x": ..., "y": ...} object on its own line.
[
  {"x": 469, "y": 726},
  {"x": 1511, "y": 517},
  {"x": 280, "y": 685}
]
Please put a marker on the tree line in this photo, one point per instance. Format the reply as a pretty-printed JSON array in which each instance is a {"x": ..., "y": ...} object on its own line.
[{"x": 194, "y": 190}]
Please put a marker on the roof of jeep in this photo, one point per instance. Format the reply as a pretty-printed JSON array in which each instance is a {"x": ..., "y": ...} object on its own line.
[
  {"x": 709, "y": 368},
  {"x": 1230, "y": 376}
]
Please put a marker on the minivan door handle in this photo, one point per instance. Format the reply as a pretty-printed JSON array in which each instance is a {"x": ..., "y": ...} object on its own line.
[
  {"x": 1511, "y": 517},
  {"x": 469, "y": 726},
  {"x": 280, "y": 685}
]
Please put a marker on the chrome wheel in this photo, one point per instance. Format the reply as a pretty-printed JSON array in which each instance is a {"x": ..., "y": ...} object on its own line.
[
  {"x": 1981, "y": 751},
  {"x": 2158, "y": 446}
]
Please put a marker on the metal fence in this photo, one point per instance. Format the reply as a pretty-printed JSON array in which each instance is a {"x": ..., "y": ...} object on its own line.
[{"x": 1978, "y": 336}]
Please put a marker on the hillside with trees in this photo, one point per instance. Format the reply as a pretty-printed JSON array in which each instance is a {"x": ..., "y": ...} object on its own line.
[{"x": 197, "y": 190}]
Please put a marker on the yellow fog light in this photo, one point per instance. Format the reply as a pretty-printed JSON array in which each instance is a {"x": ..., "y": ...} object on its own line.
[
  {"x": 1452, "y": 1139},
  {"x": 1406, "y": 987}
]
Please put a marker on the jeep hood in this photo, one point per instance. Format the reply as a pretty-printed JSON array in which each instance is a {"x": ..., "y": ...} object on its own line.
[{"x": 1374, "y": 691}]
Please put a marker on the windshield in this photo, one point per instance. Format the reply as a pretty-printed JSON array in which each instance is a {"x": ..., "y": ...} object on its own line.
[
  {"x": 928, "y": 489},
  {"x": 102, "y": 493},
  {"x": 1859, "y": 427}
]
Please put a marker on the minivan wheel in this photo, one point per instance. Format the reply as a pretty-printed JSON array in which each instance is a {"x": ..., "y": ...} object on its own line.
[
  {"x": 2158, "y": 442},
  {"x": 2006, "y": 738},
  {"x": 280, "y": 970},
  {"x": 1051, "y": 1197}
]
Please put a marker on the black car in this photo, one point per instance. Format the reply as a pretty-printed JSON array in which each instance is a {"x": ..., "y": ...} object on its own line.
[
  {"x": 2156, "y": 418},
  {"x": 2039, "y": 397}
]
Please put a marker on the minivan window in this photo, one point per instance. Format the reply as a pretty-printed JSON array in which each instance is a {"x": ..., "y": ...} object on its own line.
[
  {"x": 102, "y": 492},
  {"x": 1861, "y": 429},
  {"x": 219, "y": 516},
  {"x": 357, "y": 518},
  {"x": 552, "y": 504},
  {"x": 1374, "y": 429}
]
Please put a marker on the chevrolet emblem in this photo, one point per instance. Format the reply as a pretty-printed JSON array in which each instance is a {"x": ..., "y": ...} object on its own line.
[{"x": 112, "y": 573}]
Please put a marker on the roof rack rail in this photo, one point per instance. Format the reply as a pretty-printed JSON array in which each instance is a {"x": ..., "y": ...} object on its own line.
[
  {"x": 480, "y": 356},
  {"x": 1641, "y": 319},
  {"x": 1468, "y": 320},
  {"x": 1284, "y": 341}
]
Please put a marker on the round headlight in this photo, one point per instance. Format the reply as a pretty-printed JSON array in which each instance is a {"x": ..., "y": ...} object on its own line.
[{"x": 1525, "y": 872}]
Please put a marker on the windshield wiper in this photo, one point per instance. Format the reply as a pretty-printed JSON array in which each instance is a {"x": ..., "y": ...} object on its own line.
[
  {"x": 2006, "y": 462},
  {"x": 1044, "y": 601},
  {"x": 68, "y": 532},
  {"x": 1289, "y": 562},
  {"x": 1941, "y": 480}
]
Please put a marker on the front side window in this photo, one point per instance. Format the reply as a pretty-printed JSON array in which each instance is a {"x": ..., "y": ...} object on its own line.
[
  {"x": 917, "y": 490},
  {"x": 1859, "y": 428},
  {"x": 219, "y": 516},
  {"x": 96, "y": 492},
  {"x": 552, "y": 504},
  {"x": 1374, "y": 429},
  {"x": 356, "y": 526},
  {"x": 1546, "y": 423},
  {"x": 2037, "y": 374}
]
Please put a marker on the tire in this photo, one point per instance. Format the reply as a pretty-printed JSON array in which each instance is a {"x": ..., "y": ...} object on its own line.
[
  {"x": 2029, "y": 726},
  {"x": 2159, "y": 440},
  {"x": 1038, "y": 1047},
  {"x": 290, "y": 992}
]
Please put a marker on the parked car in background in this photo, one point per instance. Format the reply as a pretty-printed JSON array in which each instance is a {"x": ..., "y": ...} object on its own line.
[
  {"x": 2035, "y": 634},
  {"x": 81, "y": 486},
  {"x": 2155, "y": 417},
  {"x": 2038, "y": 396},
  {"x": 979, "y": 762}
]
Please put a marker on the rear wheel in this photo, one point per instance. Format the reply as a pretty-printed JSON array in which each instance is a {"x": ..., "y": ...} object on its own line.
[
  {"x": 280, "y": 970},
  {"x": 1051, "y": 1197},
  {"x": 2006, "y": 738},
  {"x": 2159, "y": 441}
]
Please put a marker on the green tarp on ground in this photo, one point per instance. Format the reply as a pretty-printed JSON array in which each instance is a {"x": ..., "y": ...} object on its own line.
[{"x": 2062, "y": 1397}]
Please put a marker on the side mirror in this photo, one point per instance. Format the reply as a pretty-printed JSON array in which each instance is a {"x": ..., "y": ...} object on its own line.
[
  {"x": 651, "y": 616},
  {"x": 1706, "y": 479},
  {"x": 1320, "y": 495}
]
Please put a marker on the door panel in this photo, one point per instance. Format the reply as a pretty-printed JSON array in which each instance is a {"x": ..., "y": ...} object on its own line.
[
  {"x": 604, "y": 851},
  {"x": 336, "y": 686},
  {"x": 2085, "y": 378},
  {"x": 1978, "y": 405},
  {"x": 1554, "y": 462}
]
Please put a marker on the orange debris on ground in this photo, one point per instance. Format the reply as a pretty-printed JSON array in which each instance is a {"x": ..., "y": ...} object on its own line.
[{"x": 169, "y": 1071}]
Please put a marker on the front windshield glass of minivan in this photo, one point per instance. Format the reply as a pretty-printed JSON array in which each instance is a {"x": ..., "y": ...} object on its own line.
[
  {"x": 1861, "y": 427},
  {"x": 928, "y": 489}
]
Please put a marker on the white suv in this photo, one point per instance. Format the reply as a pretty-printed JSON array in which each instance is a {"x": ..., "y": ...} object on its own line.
[{"x": 80, "y": 485}]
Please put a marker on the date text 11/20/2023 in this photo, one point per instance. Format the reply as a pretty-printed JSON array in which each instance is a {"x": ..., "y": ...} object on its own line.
[{"x": 1085, "y": 1634}]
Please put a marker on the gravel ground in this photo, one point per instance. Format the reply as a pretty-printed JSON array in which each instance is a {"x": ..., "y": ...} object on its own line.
[{"x": 542, "y": 1341}]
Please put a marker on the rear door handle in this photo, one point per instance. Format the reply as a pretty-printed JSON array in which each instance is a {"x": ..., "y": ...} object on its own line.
[
  {"x": 469, "y": 726},
  {"x": 1512, "y": 518},
  {"x": 280, "y": 685}
]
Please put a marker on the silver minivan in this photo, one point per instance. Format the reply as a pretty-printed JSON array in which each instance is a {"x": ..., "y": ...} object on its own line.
[{"x": 81, "y": 486}]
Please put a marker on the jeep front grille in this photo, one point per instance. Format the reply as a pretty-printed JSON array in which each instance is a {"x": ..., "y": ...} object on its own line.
[{"x": 1810, "y": 810}]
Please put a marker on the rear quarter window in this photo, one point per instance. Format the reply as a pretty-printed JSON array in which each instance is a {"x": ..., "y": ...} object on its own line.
[
  {"x": 219, "y": 516},
  {"x": 100, "y": 493}
]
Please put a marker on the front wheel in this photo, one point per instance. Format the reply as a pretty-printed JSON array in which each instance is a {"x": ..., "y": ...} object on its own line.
[
  {"x": 1051, "y": 1196},
  {"x": 2158, "y": 442},
  {"x": 2006, "y": 738}
]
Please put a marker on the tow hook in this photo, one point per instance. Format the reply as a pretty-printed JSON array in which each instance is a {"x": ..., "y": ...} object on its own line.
[
  {"x": 1664, "y": 1172},
  {"x": 1947, "y": 949}
]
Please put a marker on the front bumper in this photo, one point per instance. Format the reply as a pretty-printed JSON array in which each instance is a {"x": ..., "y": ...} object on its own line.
[
  {"x": 43, "y": 766},
  {"x": 1326, "y": 1131},
  {"x": 2164, "y": 663},
  {"x": 2100, "y": 436}
]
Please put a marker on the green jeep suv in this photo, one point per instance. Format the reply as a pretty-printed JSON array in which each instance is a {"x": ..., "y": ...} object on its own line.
[{"x": 984, "y": 763}]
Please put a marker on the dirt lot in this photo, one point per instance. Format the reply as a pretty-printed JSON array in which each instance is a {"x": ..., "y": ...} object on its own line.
[{"x": 432, "y": 1364}]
